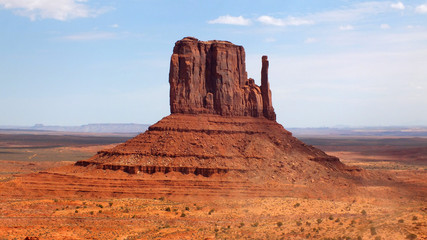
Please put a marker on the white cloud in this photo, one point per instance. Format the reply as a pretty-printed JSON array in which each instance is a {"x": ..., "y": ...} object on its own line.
[
  {"x": 55, "y": 9},
  {"x": 89, "y": 36},
  {"x": 310, "y": 40},
  {"x": 227, "y": 19},
  {"x": 385, "y": 26},
  {"x": 351, "y": 13},
  {"x": 413, "y": 26},
  {"x": 290, "y": 21},
  {"x": 421, "y": 8},
  {"x": 269, "y": 40},
  {"x": 271, "y": 21},
  {"x": 115, "y": 25},
  {"x": 346, "y": 28},
  {"x": 398, "y": 5}
]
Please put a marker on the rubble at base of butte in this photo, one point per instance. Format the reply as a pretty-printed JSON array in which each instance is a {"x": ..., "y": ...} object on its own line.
[{"x": 220, "y": 122}]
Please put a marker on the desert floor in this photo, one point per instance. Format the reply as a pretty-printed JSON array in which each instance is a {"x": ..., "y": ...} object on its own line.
[{"x": 386, "y": 215}]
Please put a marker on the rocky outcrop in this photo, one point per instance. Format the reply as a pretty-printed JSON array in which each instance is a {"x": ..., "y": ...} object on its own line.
[
  {"x": 208, "y": 81},
  {"x": 210, "y": 77},
  {"x": 267, "y": 106}
]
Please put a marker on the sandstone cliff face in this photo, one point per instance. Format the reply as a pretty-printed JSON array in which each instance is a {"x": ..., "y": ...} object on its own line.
[{"x": 210, "y": 77}]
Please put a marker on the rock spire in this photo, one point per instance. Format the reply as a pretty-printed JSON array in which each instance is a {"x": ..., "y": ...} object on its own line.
[{"x": 210, "y": 77}]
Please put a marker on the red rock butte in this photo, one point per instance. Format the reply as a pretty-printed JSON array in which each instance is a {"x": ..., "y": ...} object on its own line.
[
  {"x": 210, "y": 77},
  {"x": 221, "y": 139}
]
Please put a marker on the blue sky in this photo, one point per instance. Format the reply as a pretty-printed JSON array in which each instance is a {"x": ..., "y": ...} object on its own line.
[{"x": 341, "y": 62}]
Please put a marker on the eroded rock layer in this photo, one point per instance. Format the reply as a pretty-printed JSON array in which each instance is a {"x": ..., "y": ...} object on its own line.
[{"x": 206, "y": 144}]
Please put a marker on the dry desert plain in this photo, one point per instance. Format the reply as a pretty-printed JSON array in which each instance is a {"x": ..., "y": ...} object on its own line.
[{"x": 394, "y": 211}]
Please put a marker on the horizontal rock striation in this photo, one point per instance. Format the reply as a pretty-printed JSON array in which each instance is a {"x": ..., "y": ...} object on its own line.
[
  {"x": 206, "y": 144},
  {"x": 210, "y": 77}
]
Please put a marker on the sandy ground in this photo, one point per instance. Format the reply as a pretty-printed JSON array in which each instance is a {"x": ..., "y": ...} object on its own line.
[
  {"x": 382, "y": 214},
  {"x": 257, "y": 218}
]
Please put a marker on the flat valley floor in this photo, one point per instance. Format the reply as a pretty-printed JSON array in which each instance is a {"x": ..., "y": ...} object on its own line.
[{"x": 384, "y": 213}]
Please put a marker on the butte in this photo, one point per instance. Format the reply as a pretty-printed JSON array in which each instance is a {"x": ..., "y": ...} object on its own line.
[{"x": 221, "y": 139}]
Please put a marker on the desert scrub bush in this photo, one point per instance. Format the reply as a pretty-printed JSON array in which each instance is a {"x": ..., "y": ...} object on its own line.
[
  {"x": 99, "y": 205},
  {"x": 255, "y": 224},
  {"x": 199, "y": 208},
  {"x": 161, "y": 198},
  {"x": 373, "y": 231},
  {"x": 100, "y": 211},
  {"x": 319, "y": 220},
  {"x": 211, "y": 211},
  {"x": 297, "y": 205},
  {"x": 298, "y": 223},
  {"x": 242, "y": 224},
  {"x": 187, "y": 208},
  {"x": 182, "y": 215},
  {"x": 377, "y": 238},
  {"x": 110, "y": 204},
  {"x": 76, "y": 211},
  {"x": 337, "y": 220},
  {"x": 411, "y": 236},
  {"x": 331, "y": 217},
  {"x": 414, "y": 218},
  {"x": 363, "y": 212},
  {"x": 279, "y": 224},
  {"x": 168, "y": 209},
  {"x": 400, "y": 221},
  {"x": 91, "y": 212}
]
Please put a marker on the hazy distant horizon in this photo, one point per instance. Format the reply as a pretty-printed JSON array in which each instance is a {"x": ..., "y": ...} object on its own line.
[
  {"x": 149, "y": 124},
  {"x": 332, "y": 63}
]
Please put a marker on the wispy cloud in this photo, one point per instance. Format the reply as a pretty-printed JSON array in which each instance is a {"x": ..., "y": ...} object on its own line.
[
  {"x": 398, "y": 5},
  {"x": 351, "y": 13},
  {"x": 90, "y": 36},
  {"x": 270, "y": 40},
  {"x": 227, "y": 19},
  {"x": 271, "y": 21},
  {"x": 346, "y": 28},
  {"x": 310, "y": 40},
  {"x": 384, "y": 26},
  {"x": 115, "y": 25},
  {"x": 421, "y": 8},
  {"x": 54, "y": 9},
  {"x": 290, "y": 21}
]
